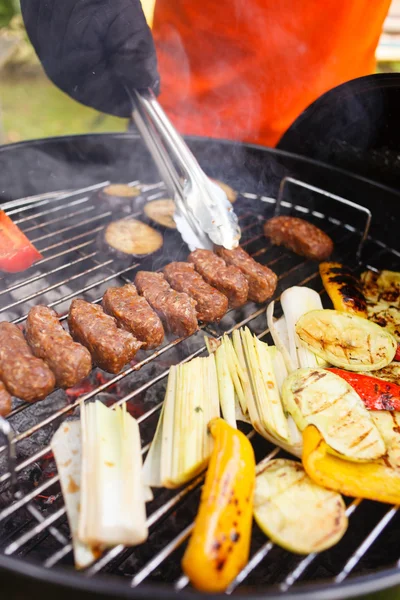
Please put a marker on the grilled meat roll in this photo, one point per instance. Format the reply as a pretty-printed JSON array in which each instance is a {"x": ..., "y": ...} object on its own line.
[
  {"x": 299, "y": 236},
  {"x": 262, "y": 281},
  {"x": 227, "y": 279},
  {"x": 24, "y": 375},
  {"x": 69, "y": 361},
  {"x": 111, "y": 347},
  {"x": 211, "y": 305},
  {"x": 134, "y": 314},
  {"x": 176, "y": 310},
  {"x": 5, "y": 401}
]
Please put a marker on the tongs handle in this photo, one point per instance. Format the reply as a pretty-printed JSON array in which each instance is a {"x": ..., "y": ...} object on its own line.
[
  {"x": 153, "y": 142},
  {"x": 151, "y": 121},
  {"x": 204, "y": 215},
  {"x": 169, "y": 135}
]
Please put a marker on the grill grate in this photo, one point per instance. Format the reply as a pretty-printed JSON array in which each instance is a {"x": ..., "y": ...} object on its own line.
[{"x": 33, "y": 524}]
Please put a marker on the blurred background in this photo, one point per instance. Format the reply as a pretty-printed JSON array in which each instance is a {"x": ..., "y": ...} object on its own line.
[{"x": 32, "y": 107}]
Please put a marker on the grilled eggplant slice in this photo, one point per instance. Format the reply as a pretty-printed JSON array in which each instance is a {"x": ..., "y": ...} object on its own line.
[
  {"x": 321, "y": 398},
  {"x": 161, "y": 212},
  {"x": 120, "y": 196},
  {"x": 294, "y": 512},
  {"x": 346, "y": 341},
  {"x": 129, "y": 238}
]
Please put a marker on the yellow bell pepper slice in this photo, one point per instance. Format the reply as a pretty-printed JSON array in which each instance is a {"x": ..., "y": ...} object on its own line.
[
  {"x": 374, "y": 480},
  {"x": 220, "y": 543},
  {"x": 343, "y": 288}
]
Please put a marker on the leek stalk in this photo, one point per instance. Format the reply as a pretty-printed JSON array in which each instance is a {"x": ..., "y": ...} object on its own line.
[
  {"x": 295, "y": 301},
  {"x": 182, "y": 446},
  {"x": 67, "y": 449},
  {"x": 112, "y": 492}
]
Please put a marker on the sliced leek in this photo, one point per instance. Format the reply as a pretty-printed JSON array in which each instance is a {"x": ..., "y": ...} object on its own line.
[
  {"x": 266, "y": 397},
  {"x": 67, "y": 450},
  {"x": 279, "y": 333},
  {"x": 182, "y": 446},
  {"x": 346, "y": 341},
  {"x": 278, "y": 366},
  {"x": 321, "y": 398},
  {"x": 295, "y": 302},
  {"x": 112, "y": 492},
  {"x": 251, "y": 375},
  {"x": 245, "y": 381},
  {"x": 295, "y": 512},
  {"x": 225, "y": 385}
]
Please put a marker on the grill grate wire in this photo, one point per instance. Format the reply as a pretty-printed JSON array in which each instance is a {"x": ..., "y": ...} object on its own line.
[{"x": 81, "y": 248}]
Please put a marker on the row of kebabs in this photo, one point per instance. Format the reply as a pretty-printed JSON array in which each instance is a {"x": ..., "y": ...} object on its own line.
[{"x": 131, "y": 317}]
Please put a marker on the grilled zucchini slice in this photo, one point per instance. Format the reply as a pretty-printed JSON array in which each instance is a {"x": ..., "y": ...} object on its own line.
[
  {"x": 382, "y": 291},
  {"x": 388, "y": 424},
  {"x": 321, "y": 398},
  {"x": 294, "y": 512},
  {"x": 345, "y": 340}
]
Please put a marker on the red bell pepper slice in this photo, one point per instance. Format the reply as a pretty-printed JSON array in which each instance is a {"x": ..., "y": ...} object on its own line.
[
  {"x": 16, "y": 251},
  {"x": 376, "y": 394}
]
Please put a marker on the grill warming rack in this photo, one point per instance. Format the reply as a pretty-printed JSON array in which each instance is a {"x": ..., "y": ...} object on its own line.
[{"x": 73, "y": 216}]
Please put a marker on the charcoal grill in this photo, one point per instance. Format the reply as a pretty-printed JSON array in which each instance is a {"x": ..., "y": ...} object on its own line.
[{"x": 49, "y": 189}]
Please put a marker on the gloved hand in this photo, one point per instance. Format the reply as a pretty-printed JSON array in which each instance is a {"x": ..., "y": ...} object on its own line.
[{"x": 91, "y": 49}]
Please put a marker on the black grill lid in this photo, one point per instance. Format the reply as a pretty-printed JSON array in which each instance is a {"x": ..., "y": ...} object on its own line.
[{"x": 355, "y": 126}]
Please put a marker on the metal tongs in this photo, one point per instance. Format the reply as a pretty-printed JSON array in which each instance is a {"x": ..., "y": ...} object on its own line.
[{"x": 204, "y": 216}]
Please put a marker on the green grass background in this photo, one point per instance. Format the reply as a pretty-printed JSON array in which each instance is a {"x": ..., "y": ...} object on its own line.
[{"x": 32, "y": 107}]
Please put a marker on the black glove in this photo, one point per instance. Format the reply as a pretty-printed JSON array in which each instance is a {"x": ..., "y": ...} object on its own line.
[{"x": 91, "y": 49}]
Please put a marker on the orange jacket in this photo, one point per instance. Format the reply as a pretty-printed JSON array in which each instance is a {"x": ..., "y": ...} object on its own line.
[{"x": 245, "y": 69}]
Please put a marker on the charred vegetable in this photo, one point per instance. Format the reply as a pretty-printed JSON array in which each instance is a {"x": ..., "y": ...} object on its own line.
[
  {"x": 161, "y": 212},
  {"x": 345, "y": 340},
  {"x": 343, "y": 288},
  {"x": 120, "y": 196},
  {"x": 321, "y": 398},
  {"x": 294, "y": 512},
  {"x": 382, "y": 291},
  {"x": 389, "y": 373},
  {"x": 220, "y": 543},
  {"x": 375, "y": 393},
  {"x": 372, "y": 480},
  {"x": 129, "y": 238}
]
